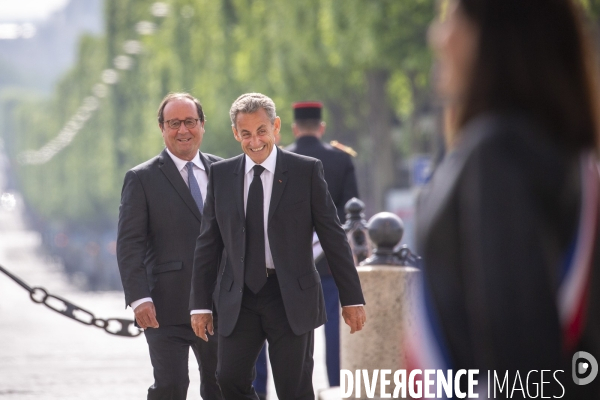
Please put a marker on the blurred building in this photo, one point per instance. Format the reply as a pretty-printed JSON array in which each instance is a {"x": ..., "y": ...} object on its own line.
[{"x": 33, "y": 54}]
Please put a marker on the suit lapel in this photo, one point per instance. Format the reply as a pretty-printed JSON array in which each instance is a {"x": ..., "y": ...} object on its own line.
[
  {"x": 238, "y": 186},
  {"x": 279, "y": 182},
  {"x": 205, "y": 161},
  {"x": 168, "y": 168}
]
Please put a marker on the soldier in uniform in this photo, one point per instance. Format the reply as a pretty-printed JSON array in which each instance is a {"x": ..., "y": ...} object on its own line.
[{"x": 308, "y": 129}]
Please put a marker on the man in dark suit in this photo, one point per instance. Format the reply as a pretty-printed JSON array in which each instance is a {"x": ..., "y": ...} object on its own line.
[
  {"x": 308, "y": 128},
  {"x": 159, "y": 219},
  {"x": 262, "y": 207}
]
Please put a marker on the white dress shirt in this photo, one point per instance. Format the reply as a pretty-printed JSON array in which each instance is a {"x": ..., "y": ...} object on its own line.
[
  {"x": 199, "y": 172},
  {"x": 267, "y": 182},
  {"x": 202, "y": 178}
]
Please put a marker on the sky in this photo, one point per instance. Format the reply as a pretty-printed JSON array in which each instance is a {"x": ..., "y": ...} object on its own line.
[{"x": 28, "y": 10}]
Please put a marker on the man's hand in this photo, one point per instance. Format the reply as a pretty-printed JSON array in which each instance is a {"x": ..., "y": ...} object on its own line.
[
  {"x": 202, "y": 323},
  {"x": 145, "y": 315},
  {"x": 355, "y": 317}
]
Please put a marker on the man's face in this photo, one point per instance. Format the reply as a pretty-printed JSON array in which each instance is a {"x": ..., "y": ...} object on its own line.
[
  {"x": 256, "y": 134},
  {"x": 182, "y": 142}
]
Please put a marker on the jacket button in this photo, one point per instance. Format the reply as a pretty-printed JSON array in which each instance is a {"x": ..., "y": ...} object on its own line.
[
  {"x": 242, "y": 259},
  {"x": 243, "y": 229},
  {"x": 241, "y": 290}
]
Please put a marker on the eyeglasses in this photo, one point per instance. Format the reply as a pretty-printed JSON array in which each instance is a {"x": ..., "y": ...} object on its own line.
[{"x": 188, "y": 122}]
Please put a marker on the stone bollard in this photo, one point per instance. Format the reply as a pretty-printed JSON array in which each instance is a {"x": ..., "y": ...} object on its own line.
[{"x": 387, "y": 282}]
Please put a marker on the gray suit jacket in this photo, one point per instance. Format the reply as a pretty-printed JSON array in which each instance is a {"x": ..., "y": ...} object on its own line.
[
  {"x": 158, "y": 225},
  {"x": 299, "y": 202}
]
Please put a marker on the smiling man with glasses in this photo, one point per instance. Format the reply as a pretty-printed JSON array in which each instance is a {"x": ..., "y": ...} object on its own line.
[{"x": 160, "y": 216}]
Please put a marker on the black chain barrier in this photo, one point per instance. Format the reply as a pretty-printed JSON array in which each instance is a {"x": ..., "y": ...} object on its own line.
[{"x": 114, "y": 326}]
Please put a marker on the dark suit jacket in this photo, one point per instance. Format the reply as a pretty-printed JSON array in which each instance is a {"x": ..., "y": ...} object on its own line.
[
  {"x": 338, "y": 168},
  {"x": 299, "y": 202},
  {"x": 339, "y": 175},
  {"x": 158, "y": 226},
  {"x": 494, "y": 227}
]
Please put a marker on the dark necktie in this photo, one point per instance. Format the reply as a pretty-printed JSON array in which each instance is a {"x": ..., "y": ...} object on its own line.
[
  {"x": 194, "y": 187},
  {"x": 255, "y": 274}
]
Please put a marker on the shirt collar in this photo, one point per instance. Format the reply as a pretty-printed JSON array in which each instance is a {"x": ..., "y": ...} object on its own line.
[
  {"x": 269, "y": 163},
  {"x": 180, "y": 164}
]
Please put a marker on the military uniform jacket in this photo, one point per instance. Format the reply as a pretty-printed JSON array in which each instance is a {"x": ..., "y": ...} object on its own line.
[
  {"x": 339, "y": 175},
  {"x": 337, "y": 165}
]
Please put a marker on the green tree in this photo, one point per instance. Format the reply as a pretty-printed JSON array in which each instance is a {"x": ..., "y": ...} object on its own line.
[{"x": 367, "y": 60}]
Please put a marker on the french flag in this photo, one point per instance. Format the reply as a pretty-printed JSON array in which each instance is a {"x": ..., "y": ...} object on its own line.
[{"x": 575, "y": 276}]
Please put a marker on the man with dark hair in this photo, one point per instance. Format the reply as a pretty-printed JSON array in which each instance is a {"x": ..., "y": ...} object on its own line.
[
  {"x": 262, "y": 208},
  {"x": 160, "y": 216}
]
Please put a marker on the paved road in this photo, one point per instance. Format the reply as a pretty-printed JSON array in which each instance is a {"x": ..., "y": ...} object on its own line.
[{"x": 45, "y": 356}]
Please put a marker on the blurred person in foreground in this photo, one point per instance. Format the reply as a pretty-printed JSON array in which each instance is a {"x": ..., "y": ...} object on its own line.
[
  {"x": 308, "y": 129},
  {"x": 508, "y": 222},
  {"x": 159, "y": 220},
  {"x": 262, "y": 207}
]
